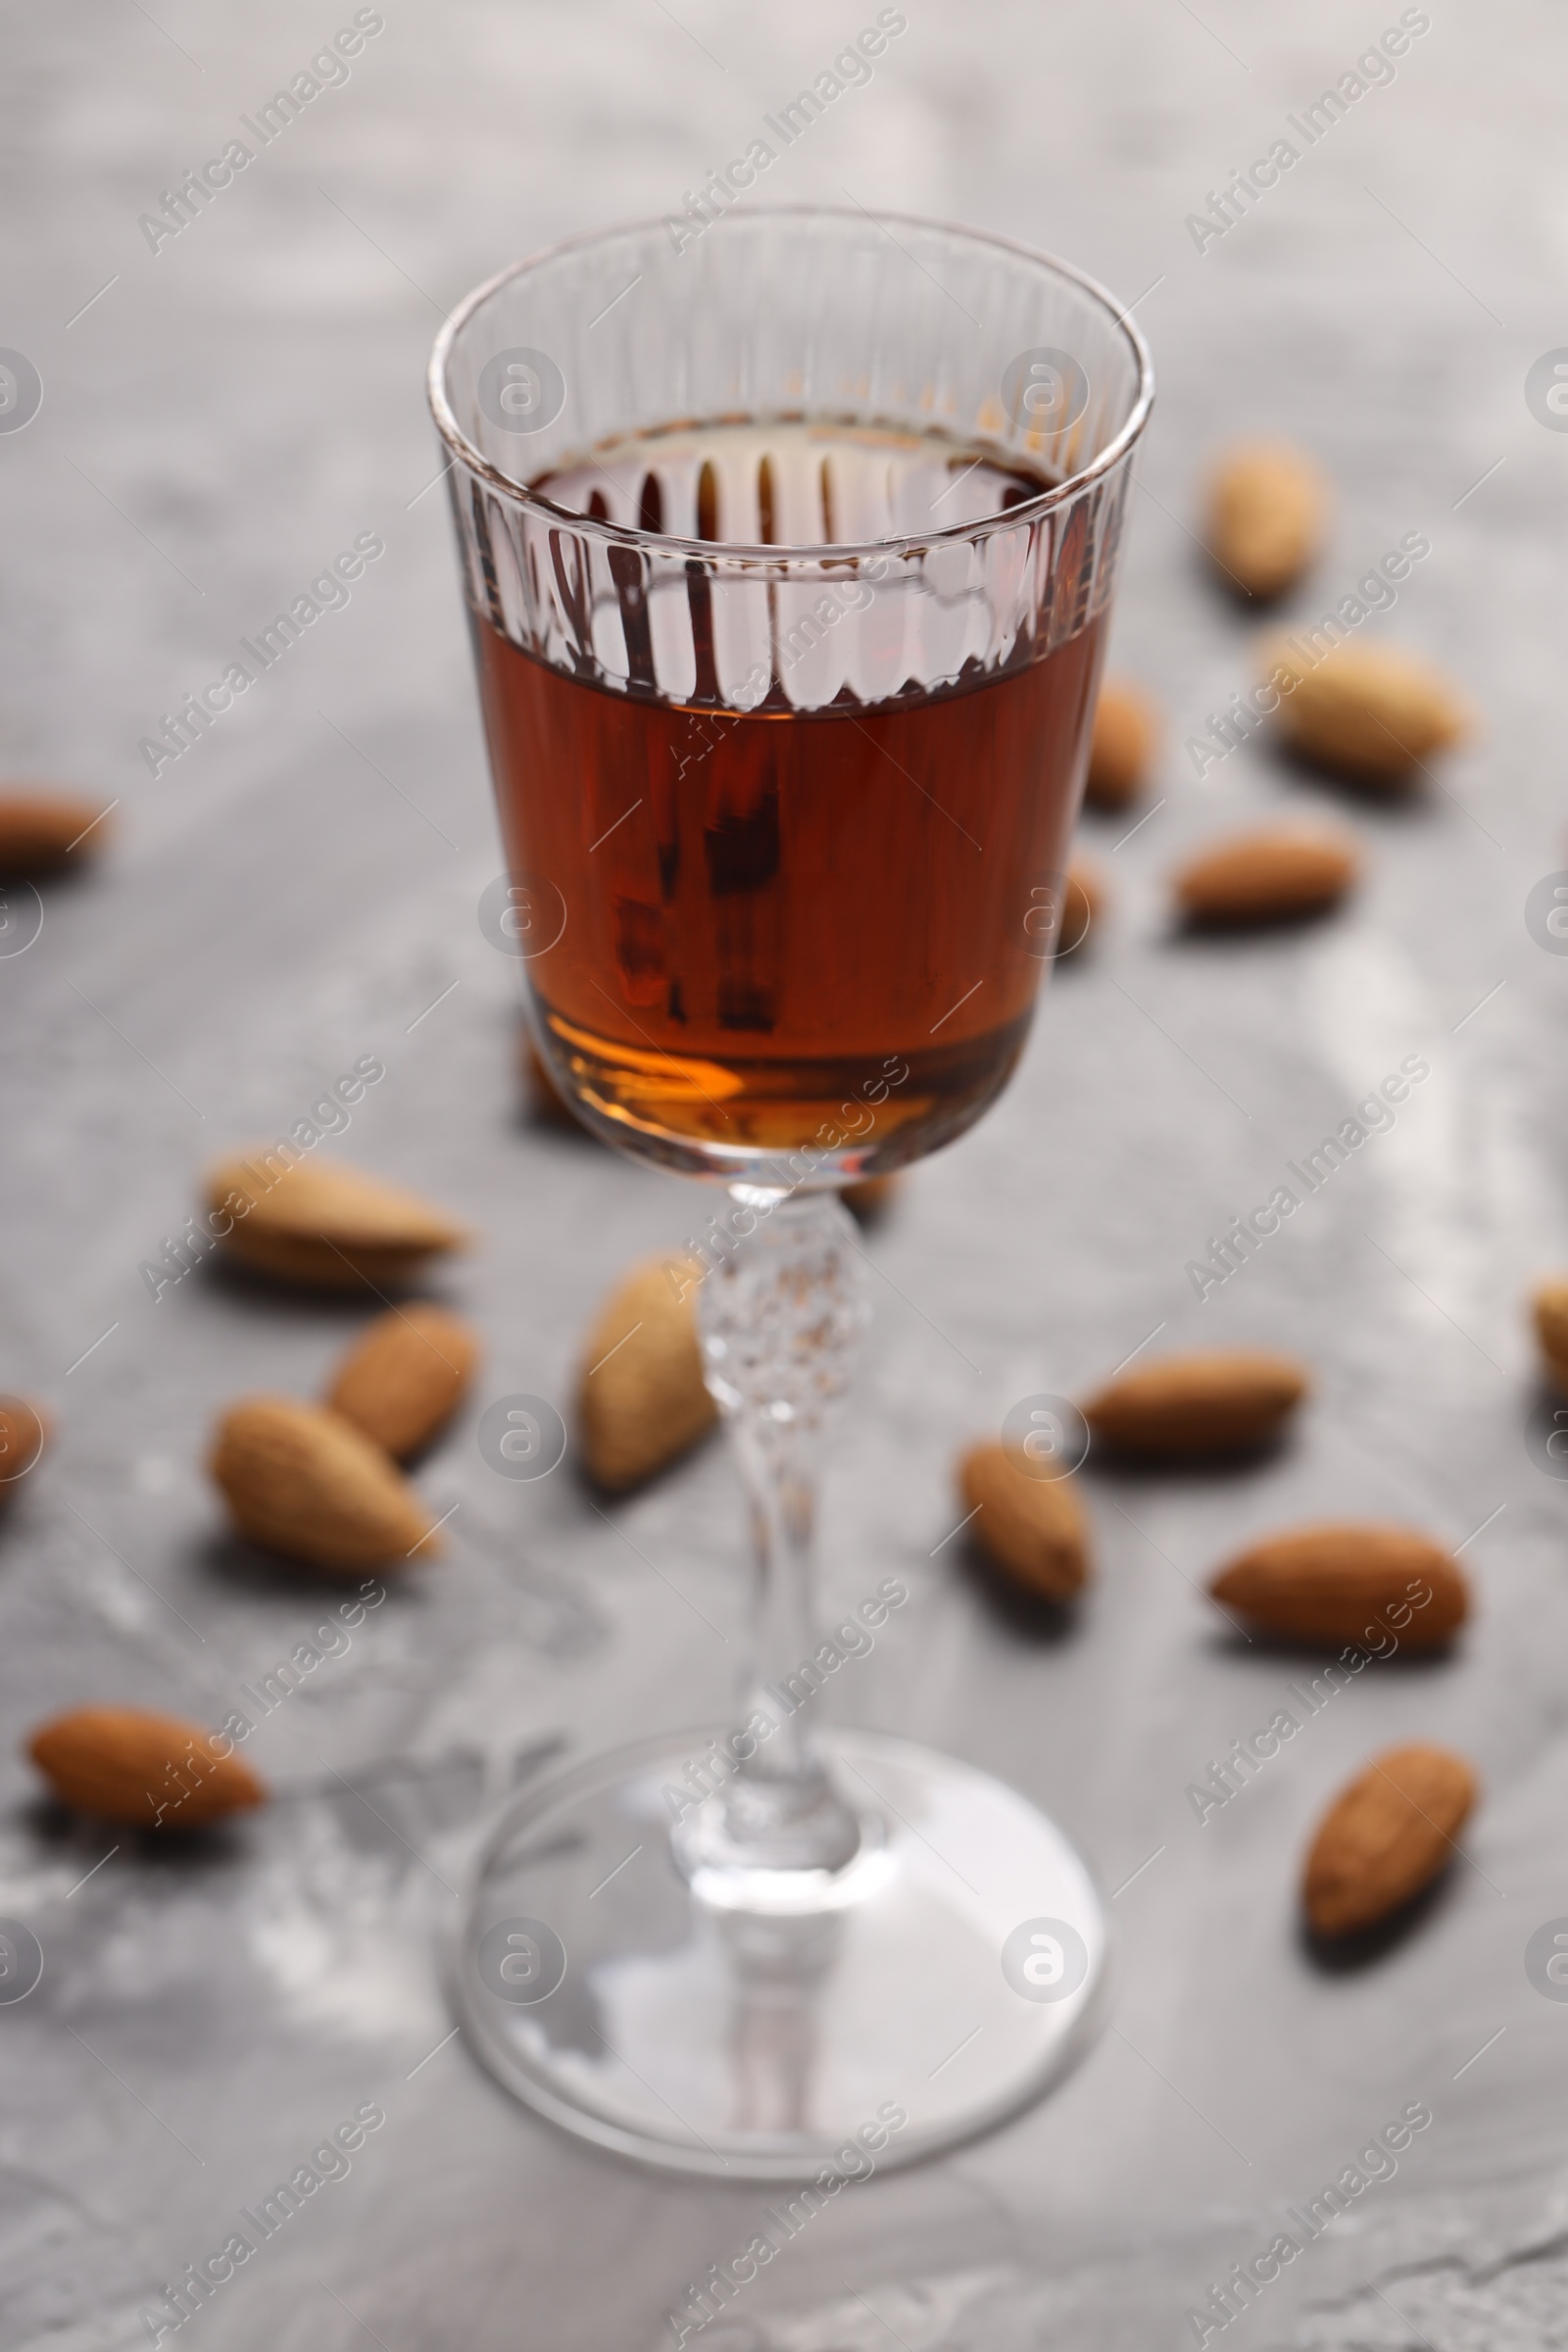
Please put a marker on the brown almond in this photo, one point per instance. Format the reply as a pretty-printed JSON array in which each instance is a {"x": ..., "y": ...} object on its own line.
[
  {"x": 1367, "y": 712},
  {"x": 305, "y": 1481},
  {"x": 1085, "y": 895},
  {"x": 406, "y": 1376},
  {"x": 1267, "y": 514},
  {"x": 147, "y": 1771},
  {"x": 1386, "y": 1836},
  {"x": 25, "y": 1431},
  {"x": 545, "y": 1098},
  {"x": 322, "y": 1223},
  {"x": 1197, "y": 1408},
  {"x": 871, "y": 1197},
  {"x": 1340, "y": 1583},
  {"x": 1550, "y": 1304},
  {"x": 1033, "y": 1528},
  {"x": 42, "y": 831},
  {"x": 1122, "y": 747},
  {"x": 1277, "y": 874},
  {"x": 641, "y": 1397}
]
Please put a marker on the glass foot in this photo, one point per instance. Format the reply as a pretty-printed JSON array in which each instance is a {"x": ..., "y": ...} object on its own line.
[{"x": 863, "y": 2017}]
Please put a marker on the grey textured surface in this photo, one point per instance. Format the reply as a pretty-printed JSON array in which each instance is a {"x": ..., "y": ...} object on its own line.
[{"x": 301, "y": 887}]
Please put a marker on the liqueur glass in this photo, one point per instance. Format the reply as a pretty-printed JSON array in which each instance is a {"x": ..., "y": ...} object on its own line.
[{"x": 788, "y": 549}]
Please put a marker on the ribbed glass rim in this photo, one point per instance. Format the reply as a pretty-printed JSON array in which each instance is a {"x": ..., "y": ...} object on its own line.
[{"x": 708, "y": 550}]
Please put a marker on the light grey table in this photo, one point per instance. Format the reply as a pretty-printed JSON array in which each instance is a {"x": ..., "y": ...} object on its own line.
[{"x": 220, "y": 417}]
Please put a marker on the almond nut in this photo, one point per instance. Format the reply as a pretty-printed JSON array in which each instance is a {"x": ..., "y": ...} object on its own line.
[
  {"x": 42, "y": 831},
  {"x": 1367, "y": 712},
  {"x": 1275, "y": 875},
  {"x": 1122, "y": 747},
  {"x": 871, "y": 1197},
  {"x": 305, "y": 1481},
  {"x": 1386, "y": 1836},
  {"x": 1033, "y": 1528},
  {"x": 1338, "y": 1583},
  {"x": 25, "y": 1430},
  {"x": 147, "y": 1771},
  {"x": 406, "y": 1376},
  {"x": 545, "y": 1098},
  {"x": 1551, "y": 1327},
  {"x": 324, "y": 1224},
  {"x": 642, "y": 1397},
  {"x": 1267, "y": 514},
  {"x": 1197, "y": 1408},
  {"x": 1084, "y": 898}
]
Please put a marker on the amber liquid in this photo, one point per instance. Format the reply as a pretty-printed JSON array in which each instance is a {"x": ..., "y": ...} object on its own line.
[{"x": 788, "y": 928}]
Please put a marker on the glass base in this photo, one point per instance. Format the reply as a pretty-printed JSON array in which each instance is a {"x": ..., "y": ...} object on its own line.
[{"x": 850, "y": 2020}]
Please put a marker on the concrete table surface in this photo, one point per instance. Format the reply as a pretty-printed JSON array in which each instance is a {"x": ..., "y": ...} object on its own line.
[{"x": 220, "y": 417}]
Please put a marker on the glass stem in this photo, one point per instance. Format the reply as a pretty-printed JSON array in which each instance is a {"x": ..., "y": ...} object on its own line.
[{"x": 778, "y": 1317}]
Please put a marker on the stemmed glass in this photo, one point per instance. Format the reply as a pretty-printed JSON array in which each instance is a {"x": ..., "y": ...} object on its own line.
[{"x": 788, "y": 549}]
